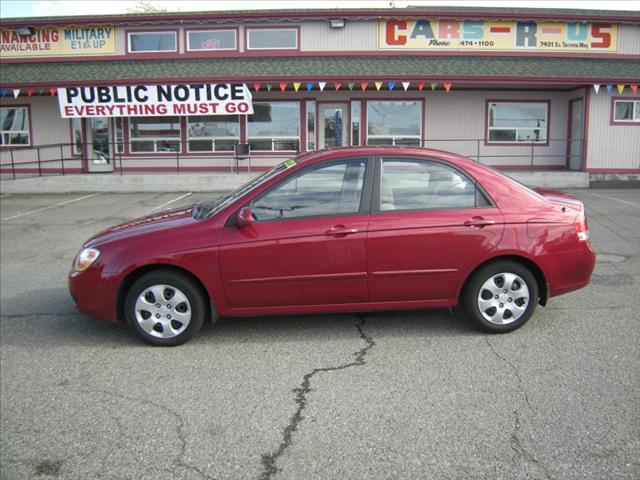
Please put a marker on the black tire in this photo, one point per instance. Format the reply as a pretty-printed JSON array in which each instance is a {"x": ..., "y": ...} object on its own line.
[
  {"x": 170, "y": 325},
  {"x": 508, "y": 305}
]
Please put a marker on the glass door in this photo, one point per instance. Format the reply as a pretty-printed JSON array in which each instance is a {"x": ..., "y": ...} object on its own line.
[
  {"x": 575, "y": 140},
  {"x": 99, "y": 147},
  {"x": 332, "y": 131}
]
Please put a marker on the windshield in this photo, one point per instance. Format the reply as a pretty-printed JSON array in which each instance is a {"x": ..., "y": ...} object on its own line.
[{"x": 208, "y": 207}]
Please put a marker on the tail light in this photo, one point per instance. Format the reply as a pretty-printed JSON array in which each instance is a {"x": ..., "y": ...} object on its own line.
[{"x": 582, "y": 227}]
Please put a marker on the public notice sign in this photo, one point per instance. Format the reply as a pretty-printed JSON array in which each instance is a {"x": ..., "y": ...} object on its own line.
[
  {"x": 61, "y": 42},
  {"x": 155, "y": 100},
  {"x": 424, "y": 34}
]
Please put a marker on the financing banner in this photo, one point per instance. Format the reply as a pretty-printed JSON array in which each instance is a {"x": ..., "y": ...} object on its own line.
[
  {"x": 155, "y": 100},
  {"x": 62, "y": 42},
  {"x": 422, "y": 34}
]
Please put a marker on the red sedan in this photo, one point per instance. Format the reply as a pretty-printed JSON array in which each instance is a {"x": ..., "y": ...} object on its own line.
[{"x": 352, "y": 229}]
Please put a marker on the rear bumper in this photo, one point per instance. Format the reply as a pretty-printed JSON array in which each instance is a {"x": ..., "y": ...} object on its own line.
[
  {"x": 570, "y": 271},
  {"x": 93, "y": 295}
]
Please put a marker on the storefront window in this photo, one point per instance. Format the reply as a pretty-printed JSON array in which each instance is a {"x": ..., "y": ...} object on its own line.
[
  {"x": 513, "y": 122},
  {"x": 394, "y": 123},
  {"x": 154, "y": 134},
  {"x": 77, "y": 137},
  {"x": 14, "y": 126},
  {"x": 627, "y": 111},
  {"x": 355, "y": 123},
  {"x": 207, "y": 40},
  {"x": 274, "y": 126},
  {"x": 272, "y": 38},
  {"x": 311, "y": 125},
  {"x": 213, "y": 133},
  {"x": 153, "y": 42}
]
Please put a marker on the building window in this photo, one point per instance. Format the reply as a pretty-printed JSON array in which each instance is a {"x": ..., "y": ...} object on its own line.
[
  {"x": 274, "y": 126},
  {"x": 355, "y": 123},
  {"x": 14, "y": 126},
  {"x": 77, "y": 138},
  {"x": 514, "y": 122},
  {"x": 217, "y": 133},
  {"x": 153, "y": 42},
  {"x": 311, "y": 125},
  {"x": 154, "y": 134},
  {"x": 272, "y": 38},
  {"x": 394, "y": 123},
  {"x": 211, "y": 40},
  {"x": 626, "y": 111}
]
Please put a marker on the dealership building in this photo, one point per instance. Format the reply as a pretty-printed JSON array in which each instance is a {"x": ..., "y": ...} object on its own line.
[{"x": 518, "y": 89}]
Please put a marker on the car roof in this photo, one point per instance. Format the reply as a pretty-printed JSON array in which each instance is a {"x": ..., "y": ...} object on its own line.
[{"x": 339, "y": 152}]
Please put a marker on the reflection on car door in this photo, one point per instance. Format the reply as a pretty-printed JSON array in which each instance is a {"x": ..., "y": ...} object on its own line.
[
  {"x": 307, "y": 246},
  {"x": 429, "y": 223}
]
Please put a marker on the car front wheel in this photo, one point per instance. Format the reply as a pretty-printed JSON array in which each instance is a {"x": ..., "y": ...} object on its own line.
[
  {"x": 165, "y": 308},
  {"x": 501, "y": 297}
]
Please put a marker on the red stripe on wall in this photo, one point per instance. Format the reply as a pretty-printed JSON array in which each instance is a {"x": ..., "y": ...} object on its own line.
[{"x": 500, "y": 29}]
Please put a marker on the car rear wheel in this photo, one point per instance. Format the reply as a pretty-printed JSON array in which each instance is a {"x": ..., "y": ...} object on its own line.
[
  {"x": 501, "y": 297},
  {"x": 165, "y": 308}
]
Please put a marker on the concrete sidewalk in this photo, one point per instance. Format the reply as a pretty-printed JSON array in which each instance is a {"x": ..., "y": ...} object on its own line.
[{"x": 219, "y": 182}]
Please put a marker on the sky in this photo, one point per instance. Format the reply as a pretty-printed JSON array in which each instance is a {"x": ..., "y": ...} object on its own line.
[{"x": 28, "y": 8}]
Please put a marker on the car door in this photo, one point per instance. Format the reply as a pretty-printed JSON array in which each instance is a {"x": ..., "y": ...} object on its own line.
[
  {"x": 429, "y": 222},
  {"x": 308, "y": 243}
]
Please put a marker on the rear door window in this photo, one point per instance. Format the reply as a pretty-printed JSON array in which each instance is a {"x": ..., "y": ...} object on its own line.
[{"x": 408, "y": 184}]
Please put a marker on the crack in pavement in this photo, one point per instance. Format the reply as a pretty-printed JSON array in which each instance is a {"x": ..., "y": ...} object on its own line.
[
  {"x": 179, "y": 460},
  {"x": 269, "y": 460},
  {"x": 515, "y": 443}
]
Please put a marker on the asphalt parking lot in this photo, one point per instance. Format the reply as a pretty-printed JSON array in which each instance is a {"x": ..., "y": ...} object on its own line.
[{"x": 386, "y": 396}]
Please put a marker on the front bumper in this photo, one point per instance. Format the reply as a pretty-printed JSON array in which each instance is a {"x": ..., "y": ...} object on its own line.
[{"x": 93, "y": 294}]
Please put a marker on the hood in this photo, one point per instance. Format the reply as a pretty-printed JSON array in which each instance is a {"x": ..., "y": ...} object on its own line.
[{"x": 168, "y": 219}]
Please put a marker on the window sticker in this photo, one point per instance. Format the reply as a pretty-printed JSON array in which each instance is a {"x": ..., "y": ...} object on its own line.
[{"x": 289, "y": 163}]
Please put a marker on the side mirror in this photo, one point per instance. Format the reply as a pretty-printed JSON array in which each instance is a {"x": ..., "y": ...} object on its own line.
[{"x": 245, "y": 217}]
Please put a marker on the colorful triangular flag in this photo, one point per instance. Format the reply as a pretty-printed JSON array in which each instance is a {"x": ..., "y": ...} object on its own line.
[
  {"x": 53, "y": 91},
  {"x": 391, "y": 85},
  {"x": 350, "y": 85},
  {"x": 420, "y": 85},
  {"x": 309, "y": 86},
  {"x": 296, "y": 86},
  {"x": 256, "y": 86},
  {"x": 405, "y": 85},
  {"x": 16, "y": 92},
  {"x": 40, "y": 91},
  {"x": 364, "y": 85},
  {"x": 378, "y": 85},
  {"x": 596, "y": 87},
  {"x": 447, "y": 86},
  {"x": 321, "y": 85},
  {"x": 29, "y": 92},
  {"x": 634, "y": 88},
  {"x": 434, "y": 86},
  {"x": 3, "y": 92},
  {"x": 609, "y": 88},
  {"x": 620, "y": 88},
  {"x": 283, "y": 86},
  {"x": 337, "y": 85},
  {"x": 269, "y": 86}
]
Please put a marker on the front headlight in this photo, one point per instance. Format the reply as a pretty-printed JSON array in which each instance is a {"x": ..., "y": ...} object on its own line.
[{"x": 85, "y": 259}]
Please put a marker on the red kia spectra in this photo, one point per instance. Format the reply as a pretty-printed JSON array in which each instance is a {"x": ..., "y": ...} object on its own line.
[{"x": 344, "y": 230}]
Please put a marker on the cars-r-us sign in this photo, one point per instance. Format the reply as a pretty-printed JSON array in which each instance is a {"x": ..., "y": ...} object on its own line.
[{"x": 423, "y": 34}]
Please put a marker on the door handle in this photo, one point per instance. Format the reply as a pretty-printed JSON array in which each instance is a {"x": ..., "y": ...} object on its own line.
[
  {"x": 340, "y": 231},
  {"x": 478, "y": 222}
]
